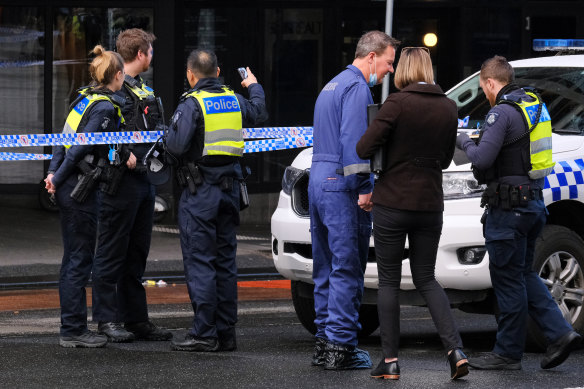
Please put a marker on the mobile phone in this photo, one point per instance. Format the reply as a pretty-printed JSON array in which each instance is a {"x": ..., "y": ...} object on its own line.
[{"x": 242, "y": 73}]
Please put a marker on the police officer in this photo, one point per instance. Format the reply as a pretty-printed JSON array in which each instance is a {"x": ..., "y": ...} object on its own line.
[
  {"x": 206, "y": 133},
  {"x": 339, "y": 195},
  {"x": 126, "y": 213},
  {"x": 96, "y": 109},
  {"x": 505, "y": 158}
]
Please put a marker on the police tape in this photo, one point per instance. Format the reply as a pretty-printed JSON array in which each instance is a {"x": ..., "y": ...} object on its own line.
[
  {"x": 276, "y": 132},
  {"x": 286, "y": 138},
  {"x": 82, "y": 138}
]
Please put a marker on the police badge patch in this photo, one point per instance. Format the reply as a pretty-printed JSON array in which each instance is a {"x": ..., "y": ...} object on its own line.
[
  {"x": 492, "y": 118},
  {"x": 175, "y": 117},
  {"x": 105, "y": 123}
]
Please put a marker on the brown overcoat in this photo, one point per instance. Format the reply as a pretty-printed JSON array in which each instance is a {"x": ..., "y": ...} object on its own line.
[{"x": 418, "y": 127}]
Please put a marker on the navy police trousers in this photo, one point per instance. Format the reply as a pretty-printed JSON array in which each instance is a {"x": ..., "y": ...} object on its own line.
[
  {"x": 510, "y": 239},
  {"x": 78, "y": 228},
  {"x": 208, "y": 222},
  {"x": 125, "y": 231}
]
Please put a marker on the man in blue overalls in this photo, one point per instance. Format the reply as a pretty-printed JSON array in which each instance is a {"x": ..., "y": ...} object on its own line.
[
  {"x": 514, "y": 217},
  {"x": 206, "y": 133},
  {"x": 339, "y": 195}
]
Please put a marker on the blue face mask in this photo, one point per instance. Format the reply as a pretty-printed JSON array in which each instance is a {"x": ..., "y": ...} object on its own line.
[{"x": 372, "y": 76}]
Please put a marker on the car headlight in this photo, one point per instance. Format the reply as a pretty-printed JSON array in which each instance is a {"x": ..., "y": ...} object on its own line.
[
  {"x": 460, "y": 185},
  {"x": 291, "y": 176}
]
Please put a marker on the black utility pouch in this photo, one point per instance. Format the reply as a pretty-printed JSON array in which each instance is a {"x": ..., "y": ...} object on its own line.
[
  {"x": 180, "y": 177},
  {"x": 195, "y": 173},
  {"x": 524, "y": 195},
  {"x": 514, "y": 197},
  {"x": 505, "y": 200},
  {"x": 226, "y": 184}
]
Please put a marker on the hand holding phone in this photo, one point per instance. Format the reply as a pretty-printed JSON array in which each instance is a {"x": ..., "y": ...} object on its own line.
[
  {"x": 247, "y": 76},
  {"x": 242, "y": 73}
]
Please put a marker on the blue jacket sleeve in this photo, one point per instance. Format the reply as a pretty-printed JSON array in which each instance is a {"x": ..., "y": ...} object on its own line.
[
  {"x": 182, "y": 127},
  {"x": 57, "y": 160},
  {"x": 353, "y": 126},
  {"x": 254, "y": 110},
  {"x": 483, "y": 154}
]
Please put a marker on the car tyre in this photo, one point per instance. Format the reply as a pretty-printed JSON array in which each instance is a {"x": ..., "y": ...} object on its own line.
[
  {"x": 304, "y": 307},
  {"x": 559, "y": 261}
]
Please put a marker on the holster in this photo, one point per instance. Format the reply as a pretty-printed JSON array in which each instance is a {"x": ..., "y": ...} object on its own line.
[
  {"x": 189, "y": 176},
  {"x": 88, "y": 181},
  {"x": 490, "y": 195}
]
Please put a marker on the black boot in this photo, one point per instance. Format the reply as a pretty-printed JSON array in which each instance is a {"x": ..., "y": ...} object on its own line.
[
  {"x": 341, "y": 357},
  {"x": 458, "y": 364},
  {"x": 386, "y": 370},
  {"x": 318, "y": 356}
]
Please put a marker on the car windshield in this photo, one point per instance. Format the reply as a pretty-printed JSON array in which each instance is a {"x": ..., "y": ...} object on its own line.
[{"x": 562, "y": 89}]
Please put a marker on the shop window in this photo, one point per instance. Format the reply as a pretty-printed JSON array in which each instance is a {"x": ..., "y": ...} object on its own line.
[
  {"x": 76, "y": 32},
  {"x": 21, "y": 85}
]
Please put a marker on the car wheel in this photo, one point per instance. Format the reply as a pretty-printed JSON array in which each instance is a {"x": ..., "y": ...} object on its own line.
[
  {"x": 304, "y": 307},
  {"x": 559, "y": 261}
]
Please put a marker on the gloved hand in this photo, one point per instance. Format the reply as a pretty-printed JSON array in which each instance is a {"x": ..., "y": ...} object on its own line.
[{"x": 461, "y": 139}]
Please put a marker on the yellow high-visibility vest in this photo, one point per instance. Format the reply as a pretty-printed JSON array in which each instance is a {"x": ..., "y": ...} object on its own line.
[
  {"x": 540, "y": 137},
  {"x": 223, "y": 122},
  {"x": 74, "y": 118}
]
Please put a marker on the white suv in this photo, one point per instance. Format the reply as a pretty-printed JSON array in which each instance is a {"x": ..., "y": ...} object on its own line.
[{"x": 462, "y": 262}]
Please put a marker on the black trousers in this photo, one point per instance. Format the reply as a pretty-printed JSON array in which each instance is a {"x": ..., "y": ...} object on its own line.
[{"x": 423, "y": 230}]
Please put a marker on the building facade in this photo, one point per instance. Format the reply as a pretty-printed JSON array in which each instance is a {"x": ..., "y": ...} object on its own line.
[{"x": 293, "y": 47}]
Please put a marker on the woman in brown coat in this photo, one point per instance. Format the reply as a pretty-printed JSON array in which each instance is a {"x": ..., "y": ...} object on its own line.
[{"x": 417, "y": 126}]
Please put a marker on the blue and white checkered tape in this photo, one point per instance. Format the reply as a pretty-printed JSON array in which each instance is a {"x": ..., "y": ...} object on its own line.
[
  {"x": 566, "y": 181},
  {"x": 286, "y": 138}
]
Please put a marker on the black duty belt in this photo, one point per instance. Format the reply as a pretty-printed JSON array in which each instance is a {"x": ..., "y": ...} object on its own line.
[{"x": 508, "y": 197}]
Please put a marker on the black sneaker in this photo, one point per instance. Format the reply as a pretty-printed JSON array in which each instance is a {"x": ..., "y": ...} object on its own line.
[
  {"x": 386, "y": 370},
  {"x": 494, "y": 361},
  {"x": 195, "y": 343},
  {"x": 147, "y": 330},
  {"x": 560, "y": 350},
  {"x": 87, "y": 340},
  {"x": 115, "y": 332},
  {"x": 318, "y": 355},
  {"x": 341, "y": 357}
]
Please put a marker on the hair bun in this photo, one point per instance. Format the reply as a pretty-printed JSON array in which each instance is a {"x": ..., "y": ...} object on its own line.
[{"x": 98, "y": 50}]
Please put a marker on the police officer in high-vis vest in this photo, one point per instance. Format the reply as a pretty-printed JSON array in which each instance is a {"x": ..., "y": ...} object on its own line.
[
  {"x": 512, "y": 156},
  {"x": 126, "y": 214},
  {"x": 206, "y": 134},
  {"x": 73, "y": 177}
]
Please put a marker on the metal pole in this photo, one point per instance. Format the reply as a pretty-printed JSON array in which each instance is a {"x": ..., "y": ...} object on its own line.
[{"x": 388, "y": 25}]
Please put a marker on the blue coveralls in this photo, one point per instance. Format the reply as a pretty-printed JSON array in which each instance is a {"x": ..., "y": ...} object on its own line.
[
  {"x": 208, "y": 219},
  {"x": 78, "y": 222},
  {"x": 340, "y": 229},
  {"x": 510, "y": 237},
  {"x": 125, "y": 231}
]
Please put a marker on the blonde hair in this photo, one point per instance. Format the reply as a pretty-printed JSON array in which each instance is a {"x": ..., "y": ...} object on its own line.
[
  {"x": 414, "y": 66},
  {"x": 104, "y": 66}
]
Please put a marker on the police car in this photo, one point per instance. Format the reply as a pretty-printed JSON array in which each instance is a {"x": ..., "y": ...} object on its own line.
[{"x": 462, "y": 262}]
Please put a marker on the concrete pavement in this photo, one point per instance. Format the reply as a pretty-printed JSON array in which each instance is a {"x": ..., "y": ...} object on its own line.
[{"x": 31, "y": 247}]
